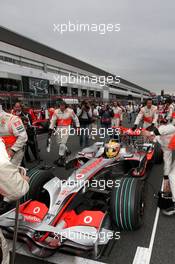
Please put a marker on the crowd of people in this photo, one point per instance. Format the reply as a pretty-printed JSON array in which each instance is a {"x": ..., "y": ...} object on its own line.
[
  {"x": 86, "y": 118},
  {"x": 18, "y": 135}
]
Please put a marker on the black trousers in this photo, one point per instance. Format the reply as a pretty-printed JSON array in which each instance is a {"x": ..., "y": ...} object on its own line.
[{"x": 32, "y": 145}]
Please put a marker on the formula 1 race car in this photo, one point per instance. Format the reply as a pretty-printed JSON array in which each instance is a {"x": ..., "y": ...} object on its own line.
[
  {"x": 83, "y": 214},
  {"x": 132, "y": 144}
]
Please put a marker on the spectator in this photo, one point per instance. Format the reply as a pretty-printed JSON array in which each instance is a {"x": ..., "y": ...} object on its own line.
[
  {"x": 130, "y": 110},
  {"x": 42, "y": 113},
  {"x": 85, "y": 117},
  {"x": 95, "y": 116}
]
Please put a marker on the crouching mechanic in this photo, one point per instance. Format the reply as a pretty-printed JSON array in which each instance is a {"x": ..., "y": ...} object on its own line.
[
  {"x": 165, "y": 135},
  {"x": 148, "y": 114},
  {"x": 62, "y": 120},
  {"x": 13, "y": 186},
  {"x": 14, "y": 135}
]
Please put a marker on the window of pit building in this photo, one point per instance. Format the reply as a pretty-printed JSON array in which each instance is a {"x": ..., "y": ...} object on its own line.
[
  {"x": 91, "y": 93},
  {"x": 63, "y": 90},
  {"x": 84, "y": 92},
  {"x": 74, "y": 92},
  {"x": 98, "y": 94},
  {"x": 10, "y": 85}
]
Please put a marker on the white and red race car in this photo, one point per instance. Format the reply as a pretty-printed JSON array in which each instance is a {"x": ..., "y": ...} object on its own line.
[{"x": 87, "y": 211}]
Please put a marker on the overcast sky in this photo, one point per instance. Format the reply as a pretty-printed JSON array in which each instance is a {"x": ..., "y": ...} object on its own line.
[{"x": 142, "y": 52}]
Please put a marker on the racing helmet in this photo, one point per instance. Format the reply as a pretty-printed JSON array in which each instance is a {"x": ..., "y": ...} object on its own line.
[{"x": 112, "y": 149}]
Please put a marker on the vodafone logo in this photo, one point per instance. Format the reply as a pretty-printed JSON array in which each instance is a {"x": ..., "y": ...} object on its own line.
[
  {"x": 36, "y": 210},
  {"x": 88, "y": 219},
  {"x": 64, "y": 192}
]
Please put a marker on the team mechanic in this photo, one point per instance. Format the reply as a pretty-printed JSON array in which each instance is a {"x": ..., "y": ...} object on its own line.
[
  {"x": 148, "y": 114},
  {"x": 26, "y": 118},
  {"x": 165, "y": 135},
  {"x": 62, "y": 119},
  {"x": 13, "y": 186},
  {"x": 118, "y": 115},
  {"x": 14, "y": 135}
]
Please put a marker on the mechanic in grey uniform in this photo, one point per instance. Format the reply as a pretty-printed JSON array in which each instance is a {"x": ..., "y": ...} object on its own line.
[{"x": 13, "y": 185}]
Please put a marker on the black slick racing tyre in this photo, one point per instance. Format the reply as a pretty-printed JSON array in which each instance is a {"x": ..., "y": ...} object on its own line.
[
  {"x": 38, "y": 178},
  {"x": 127, "y": 204}
]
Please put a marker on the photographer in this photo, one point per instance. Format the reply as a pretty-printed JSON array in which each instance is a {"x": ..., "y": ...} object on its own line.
[
  {"x": 85, "y": 118},
  {"x": 106, "y": 114}
]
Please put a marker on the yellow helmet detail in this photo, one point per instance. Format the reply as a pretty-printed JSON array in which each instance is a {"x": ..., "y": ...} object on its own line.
[{"x": 112, "y": 149}]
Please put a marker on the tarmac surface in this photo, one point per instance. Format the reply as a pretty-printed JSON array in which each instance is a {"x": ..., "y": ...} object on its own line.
[{"x": 153, "y": 243}]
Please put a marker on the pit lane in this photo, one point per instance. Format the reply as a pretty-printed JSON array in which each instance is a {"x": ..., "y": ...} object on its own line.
[{"x": 123, "y": 250}]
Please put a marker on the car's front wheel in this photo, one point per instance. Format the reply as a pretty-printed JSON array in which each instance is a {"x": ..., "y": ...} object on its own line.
[
  {"x": 37, "y": 179},
  {"x": 127, "y": 204}
]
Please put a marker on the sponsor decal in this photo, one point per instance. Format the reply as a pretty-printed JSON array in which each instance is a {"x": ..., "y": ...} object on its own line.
[
  {"x": 64, "y": 192},
  {"x": 36, "y": 210},
  {"x": 91, "y": 166},
  {"x": 17, "y": 124},
  {"x": 87, "y": 219},
  {"x": 20, "y": 127},
  {"x": 2, "y": 122},
  {"x": 79, "y": 176},
  {"x": 32, "y": 219}
]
